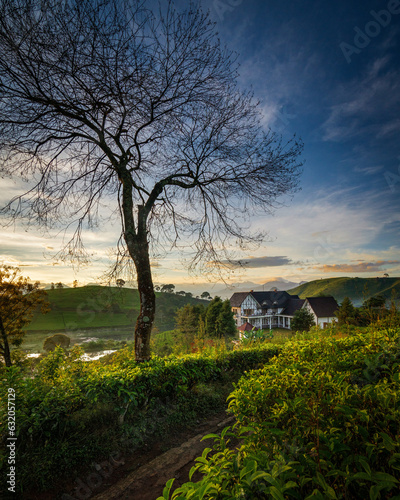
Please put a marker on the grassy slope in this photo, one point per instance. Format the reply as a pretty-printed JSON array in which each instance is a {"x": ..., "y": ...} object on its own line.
[
  {"x": 103, "y": 307},
  {"x": 357, "y": 289}
]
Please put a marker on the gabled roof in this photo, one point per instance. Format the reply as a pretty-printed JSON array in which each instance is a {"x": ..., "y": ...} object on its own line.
[
  {"x": 292, "y": 306},
  {"x": 266, "y": 300},
  {"x": 323, "y": 307},
  {"x": 237, "y": 298},
  {"x": 247, "y": 327},
  {"x": 271, "y": 299}
]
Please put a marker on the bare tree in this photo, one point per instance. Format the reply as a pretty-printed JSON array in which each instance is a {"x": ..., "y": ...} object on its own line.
[{"x": 104, "y": 100}]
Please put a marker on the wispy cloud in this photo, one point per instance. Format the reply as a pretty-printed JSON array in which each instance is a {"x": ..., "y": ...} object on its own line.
[
  {"x": 259, "y": 262},
  {"x": 361, "y": 267},
  {"x": 369, "y": 170},
  {"x": 367, "y": 105}
]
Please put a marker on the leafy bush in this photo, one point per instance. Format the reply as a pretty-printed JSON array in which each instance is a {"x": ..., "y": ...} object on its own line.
[
  {"x": 70, "y": 412},
  {"x": 256, "y": 335},
  {"x": 319, "y": 421}
]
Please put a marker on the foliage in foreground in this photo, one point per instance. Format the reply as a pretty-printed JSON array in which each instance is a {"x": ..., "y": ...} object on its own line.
[
  {"x": 320, "y": 421},
  {"x": 71, "y": 412}
]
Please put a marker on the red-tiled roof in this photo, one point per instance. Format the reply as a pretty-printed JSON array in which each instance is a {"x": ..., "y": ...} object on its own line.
[{"x": 247, "y": 327}]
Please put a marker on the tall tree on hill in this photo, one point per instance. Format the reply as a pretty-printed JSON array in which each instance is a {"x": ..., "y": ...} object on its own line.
[
  {"x": 211, "y": 316},
  {"x": 187, "y": 318},
  {"x": 219, "y": 320},
  {"x": 375, "y": 307},
  {"x": 120, "y": 283},
  {"x": 346, "y": 314},
  {"x": 302, "y": 320},
  {"x": 104, "y": 102},
  {"x": 226, "y": 325},
  {"x": 18, "y": 300}
]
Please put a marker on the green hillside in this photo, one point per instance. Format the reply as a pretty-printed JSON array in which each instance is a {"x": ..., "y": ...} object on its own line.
[
  {"x": 90, "y": 307},
  {"x": 357, "y": 289}
]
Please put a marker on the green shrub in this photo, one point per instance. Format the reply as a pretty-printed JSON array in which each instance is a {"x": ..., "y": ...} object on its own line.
[
  {"x": 69, "y": 411},
  {"x": 319, "y": 421}
]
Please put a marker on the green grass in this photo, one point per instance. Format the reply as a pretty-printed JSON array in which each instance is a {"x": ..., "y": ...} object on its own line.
[
  {"x": 97, "y": 311},
  {"x": 96, "y": 306},
  {"x": 357, "y": 289},
  {"x": 33, "y": 340},
  {"x": 281, "y": 334}
]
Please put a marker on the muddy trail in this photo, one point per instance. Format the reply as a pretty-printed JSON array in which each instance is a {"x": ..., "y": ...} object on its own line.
[
  {"x": 143, "y": 474},
  {"x": 147, "y": 481}
]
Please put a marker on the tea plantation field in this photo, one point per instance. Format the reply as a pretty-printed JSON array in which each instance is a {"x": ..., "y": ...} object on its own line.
[{"x": 320, "y": 421}]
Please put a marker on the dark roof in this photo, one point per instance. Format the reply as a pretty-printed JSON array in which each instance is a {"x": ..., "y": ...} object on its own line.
[
  {"x": 292, "y": 306},
  {"x": 237, "y": 298},
  {"x": 323, "y": 307},
  {"x": 266, "y": 300},
  {"x": 247, "y": 327},
  {"x": 270, "y": 299}
]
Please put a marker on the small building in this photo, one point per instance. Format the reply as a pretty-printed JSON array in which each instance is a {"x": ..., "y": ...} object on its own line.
[
  {"x": 275, "y": 309},
  {"x": 322, "y": 308},
  {"x": 247, "y": 327}
]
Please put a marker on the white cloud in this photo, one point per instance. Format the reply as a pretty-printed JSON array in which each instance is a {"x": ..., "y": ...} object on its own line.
[
  {"x": 366, "y": 105},
  {"x": 327, "y": 228},
  {"x": 368, "y": 170}
]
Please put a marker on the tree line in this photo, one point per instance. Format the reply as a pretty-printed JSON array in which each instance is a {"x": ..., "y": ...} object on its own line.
[
  {"x": 214, "y": 321},
  {"x": 373, "y": 309}
]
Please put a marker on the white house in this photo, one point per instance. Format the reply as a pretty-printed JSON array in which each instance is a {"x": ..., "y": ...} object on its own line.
[
  {"x": 275, "y": 309},
  {"x": 322, "y": 308}
]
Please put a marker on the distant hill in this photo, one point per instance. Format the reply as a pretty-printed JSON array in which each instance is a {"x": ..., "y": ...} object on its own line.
[
  {"x": 279, "y": 283},
  {"x": 96, "y": 306},
  {"x": 357, "y": 289}
]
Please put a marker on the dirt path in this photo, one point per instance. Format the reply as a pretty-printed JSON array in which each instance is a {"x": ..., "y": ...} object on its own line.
[
  {"x": 141, "y": 475},
  {"x": 147, "y": 482}
]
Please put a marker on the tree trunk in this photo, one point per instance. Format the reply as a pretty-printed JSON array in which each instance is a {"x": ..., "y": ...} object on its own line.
[
  {"x": 139, "y": 251},
  {"x": 6, "y": 348}
]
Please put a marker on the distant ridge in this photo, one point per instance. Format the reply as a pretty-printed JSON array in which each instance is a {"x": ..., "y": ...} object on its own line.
[
  {"x": 278, "y": 283},
  {"x": 357, "y": 289}
]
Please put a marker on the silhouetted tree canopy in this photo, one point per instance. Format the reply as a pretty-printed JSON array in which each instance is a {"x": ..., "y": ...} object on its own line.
[{"x": 104, "y": 102}]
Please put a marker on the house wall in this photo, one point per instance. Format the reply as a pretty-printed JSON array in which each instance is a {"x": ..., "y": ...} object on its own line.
[
  {"x": 307, "y": 306},
  {"x": 250, "y": 306},
  {"x": 263, "y": 317},
  {"x": 318, "y": 321},
  {"x": 328, "y": 320},
  {"x": 237, "y": 315}
]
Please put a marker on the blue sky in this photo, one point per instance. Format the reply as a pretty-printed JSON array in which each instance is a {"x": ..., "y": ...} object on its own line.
[{"x": 328, "y": 72}]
